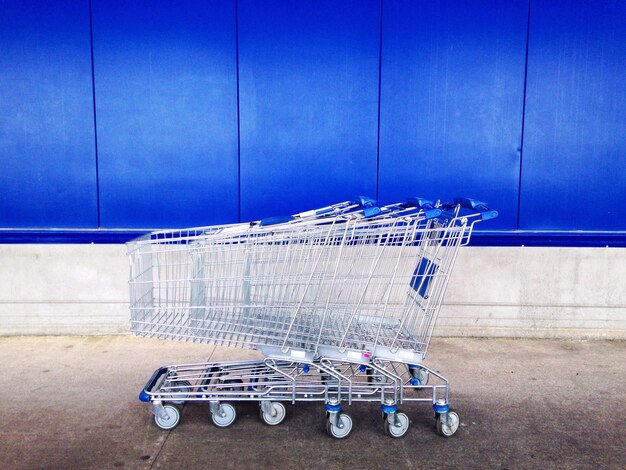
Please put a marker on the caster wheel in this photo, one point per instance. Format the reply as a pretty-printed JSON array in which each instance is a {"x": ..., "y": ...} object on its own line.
[
  {"x": 420, "y": 374},
  {"x": 180, "y": 386},
  {"x": 397, "y": 431},
  {"x": 277, "y": 416},
  {"x": 447, "y": 430},
  {"x": 226, "y": 418},
  {"x": 337, "y": 432},
  {"x": 171, "y": 420}
]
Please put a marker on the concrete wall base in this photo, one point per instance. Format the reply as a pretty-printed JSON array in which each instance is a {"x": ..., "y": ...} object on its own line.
[{"x": 494, "y": 292}]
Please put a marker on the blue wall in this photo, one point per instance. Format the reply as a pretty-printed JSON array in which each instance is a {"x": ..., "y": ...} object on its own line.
[
  {"x": 308, "y": 100},
  {"x": 451, "y": 101},
  {"x": 47, "y": 147},
  {"x": 117, "y": 116}
]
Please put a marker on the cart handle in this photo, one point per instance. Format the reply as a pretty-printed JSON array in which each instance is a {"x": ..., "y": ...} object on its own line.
[
  {"x": 364, "y": 201},
  {"x": 430, "y": 211},
  {"x": 144, "y": 395},
  {"x": 473, "y": 204},
  {"x": 369, "y": 205},
  {"x": 279, "y": 219}
]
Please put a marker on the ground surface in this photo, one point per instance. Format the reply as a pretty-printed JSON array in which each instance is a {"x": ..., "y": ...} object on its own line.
[{"x": 71, "y": 402}]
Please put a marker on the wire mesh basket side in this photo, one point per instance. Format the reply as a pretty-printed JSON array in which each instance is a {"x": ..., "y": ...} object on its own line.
[{"x": 352, "y": 284}]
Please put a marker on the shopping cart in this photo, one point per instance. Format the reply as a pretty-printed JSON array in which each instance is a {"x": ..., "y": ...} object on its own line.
[{"x": 341, "y": 301}]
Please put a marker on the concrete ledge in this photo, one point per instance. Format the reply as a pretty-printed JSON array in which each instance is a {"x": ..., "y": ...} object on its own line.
[{"x": 505, "y": 292}]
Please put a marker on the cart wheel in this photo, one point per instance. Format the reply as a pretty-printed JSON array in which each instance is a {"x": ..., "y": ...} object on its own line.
[
  {"x": 171, "y": 420},
  {"x": 339, "y": 433},
  {"x": 180, "y": 386},
  {"x": 421, "y": 374},
  {"x": 397, "y": 431},
  {"x": 447, "y": 430},
  {"x": 226, "y": 418},
  {"x": 278, "y": 409}
]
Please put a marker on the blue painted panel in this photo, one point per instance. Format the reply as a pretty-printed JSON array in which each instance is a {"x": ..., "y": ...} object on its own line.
[
  {"x": 451, "y": 101},
  {"x": 309, "y": 103},
  {"x": 479, "y": 238},
  {"x": 47, "y": 151},
  {"x": 166, "y": 102},
  {"x": 574, "y": 161}
]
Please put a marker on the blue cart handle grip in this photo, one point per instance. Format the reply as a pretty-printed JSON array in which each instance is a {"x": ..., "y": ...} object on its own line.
[
  {"x": 369, "y": 205},
  {"x": 430, "y": 211},
  {"x": 473, "y": 204},
  {"x": 280, "y": 219},
  {"x": 144, "y": 395},
  {"x": 365, "y": 202}
]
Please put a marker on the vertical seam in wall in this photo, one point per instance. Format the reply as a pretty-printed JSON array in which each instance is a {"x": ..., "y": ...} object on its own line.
[
  {"x": 521, "y": 150},
  {"x": 380, "y": 69},
  {"x": 238, "y": 112},
  {"x": 95, "y": 123}
]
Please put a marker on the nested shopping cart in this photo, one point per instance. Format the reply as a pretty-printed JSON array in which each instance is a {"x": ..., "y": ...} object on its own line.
[{"x": 341, "y": 301}]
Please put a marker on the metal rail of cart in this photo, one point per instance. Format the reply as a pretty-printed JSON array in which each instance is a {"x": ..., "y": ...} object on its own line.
[{"x": 341, "y": 301}]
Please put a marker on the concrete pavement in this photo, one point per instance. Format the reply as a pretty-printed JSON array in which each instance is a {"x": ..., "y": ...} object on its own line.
[{"x": 71, "y": 402}]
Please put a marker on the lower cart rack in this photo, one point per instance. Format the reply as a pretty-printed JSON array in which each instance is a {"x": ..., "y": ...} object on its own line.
[{"x": 273, "y": 382}]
